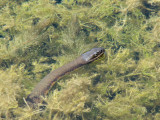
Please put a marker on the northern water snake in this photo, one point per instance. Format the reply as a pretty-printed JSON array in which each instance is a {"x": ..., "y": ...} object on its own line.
[{"x": 42, "y": 88}]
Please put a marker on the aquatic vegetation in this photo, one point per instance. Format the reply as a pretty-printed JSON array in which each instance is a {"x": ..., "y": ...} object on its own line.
[
  {"x": 41, "y": 35},
  {"x": 71, "y": 100},
  {"x": 126, "y": 94},
  {"x": 10, "y": 89}
]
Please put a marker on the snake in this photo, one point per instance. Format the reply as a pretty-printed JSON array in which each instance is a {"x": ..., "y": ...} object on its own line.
[{"x": 44, "y": 86}]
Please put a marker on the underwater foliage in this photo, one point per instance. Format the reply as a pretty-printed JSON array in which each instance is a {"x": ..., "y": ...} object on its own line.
[{"x": 38, "y": 36}]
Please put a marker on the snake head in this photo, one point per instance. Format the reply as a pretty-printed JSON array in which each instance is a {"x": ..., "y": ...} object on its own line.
[{"x": 93, "y": 54}]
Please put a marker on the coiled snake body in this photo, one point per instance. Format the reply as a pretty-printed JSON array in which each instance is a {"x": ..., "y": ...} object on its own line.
[{"x": 43, "y": 87}]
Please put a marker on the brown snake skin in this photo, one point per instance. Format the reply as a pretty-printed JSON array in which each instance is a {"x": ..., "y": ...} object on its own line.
[{"x": 43, "y": 87}]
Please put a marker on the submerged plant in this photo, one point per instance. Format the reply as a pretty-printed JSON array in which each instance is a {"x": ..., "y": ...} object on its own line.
[
  {"x": 39, "y": 36},
  {"x": 71, "y": 99}
]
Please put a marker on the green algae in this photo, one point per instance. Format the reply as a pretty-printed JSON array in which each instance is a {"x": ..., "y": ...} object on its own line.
[{"x": 39, "y": 36}]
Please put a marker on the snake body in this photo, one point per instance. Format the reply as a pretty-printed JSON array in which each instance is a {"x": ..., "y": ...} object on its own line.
[{"x": 43, "y": 87}]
